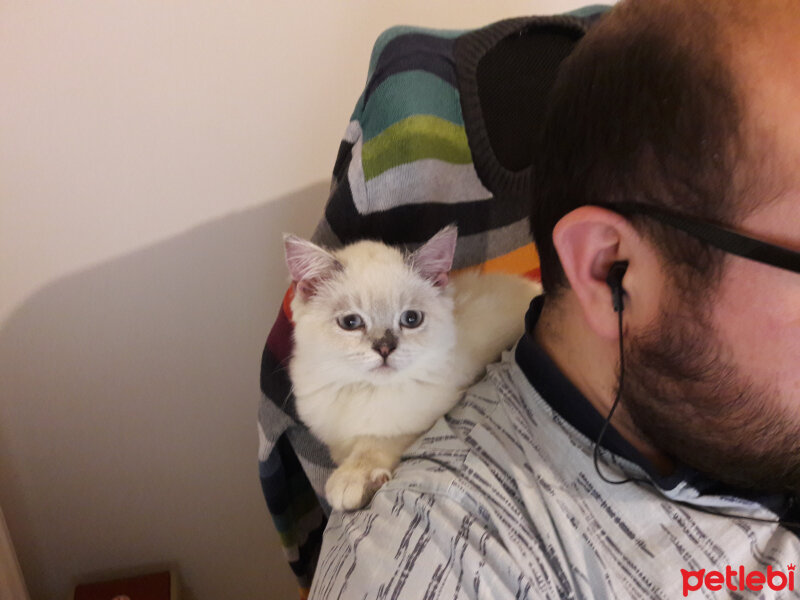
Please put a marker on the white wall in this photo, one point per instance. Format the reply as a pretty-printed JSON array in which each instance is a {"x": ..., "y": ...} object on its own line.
[{"x": 150, "y": 155}]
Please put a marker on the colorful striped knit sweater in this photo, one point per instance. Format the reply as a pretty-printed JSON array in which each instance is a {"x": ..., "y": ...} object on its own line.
[{"x": 438, "y": 136}]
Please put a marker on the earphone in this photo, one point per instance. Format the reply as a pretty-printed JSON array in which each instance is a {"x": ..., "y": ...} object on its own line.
[{"x": 614, "y": 280}]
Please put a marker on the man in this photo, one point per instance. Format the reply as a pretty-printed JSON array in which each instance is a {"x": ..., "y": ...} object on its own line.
[{"x": 577, "y": 470}]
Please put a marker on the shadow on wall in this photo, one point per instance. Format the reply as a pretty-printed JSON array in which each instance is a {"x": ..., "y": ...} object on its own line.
[{"x": 128, "y": 411}]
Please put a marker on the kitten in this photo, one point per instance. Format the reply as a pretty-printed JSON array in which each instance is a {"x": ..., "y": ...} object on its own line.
[{"x": 384, "y": 344}]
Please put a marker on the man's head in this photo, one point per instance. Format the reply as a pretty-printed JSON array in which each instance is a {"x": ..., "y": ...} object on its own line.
[
  {"x": 689, "y": 106},
  {"x": 647, "y": 109}
]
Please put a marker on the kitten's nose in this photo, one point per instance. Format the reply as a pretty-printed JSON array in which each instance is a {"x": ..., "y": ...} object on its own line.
[{"x": 386, "y": 345}]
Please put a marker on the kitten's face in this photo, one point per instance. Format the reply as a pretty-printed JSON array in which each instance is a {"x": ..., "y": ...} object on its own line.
[
  {"x": 367, "y": 313},
  {"x": 375, "y": 319}
]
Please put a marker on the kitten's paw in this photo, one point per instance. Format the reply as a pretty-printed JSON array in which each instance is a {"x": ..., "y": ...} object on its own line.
[
  {"x": 349, "y": 488},
  {"x": 379, "y": 476}
]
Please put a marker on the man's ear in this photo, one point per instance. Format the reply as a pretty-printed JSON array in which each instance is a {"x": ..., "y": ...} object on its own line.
[
  {"x": 589, "y": 240},
  {"x": 308, "y": 264},
  {"x": 434, "y": 259}
]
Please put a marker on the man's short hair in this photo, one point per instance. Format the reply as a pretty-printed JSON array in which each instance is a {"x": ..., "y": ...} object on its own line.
[{"x": 646, "y": 109}]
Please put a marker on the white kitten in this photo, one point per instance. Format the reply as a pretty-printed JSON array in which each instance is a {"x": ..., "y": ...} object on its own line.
[{"x": 384, "y": 344}]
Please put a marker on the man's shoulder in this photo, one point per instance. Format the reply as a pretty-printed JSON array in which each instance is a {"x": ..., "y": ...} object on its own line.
[{"x": 431, "y": 531}]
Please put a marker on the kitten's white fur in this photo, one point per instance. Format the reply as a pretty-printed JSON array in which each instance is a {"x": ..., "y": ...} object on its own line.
[{"x": 367, "y": 412}]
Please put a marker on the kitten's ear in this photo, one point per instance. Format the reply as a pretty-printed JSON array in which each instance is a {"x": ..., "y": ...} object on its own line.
[
  {"x": 434, "y": 259},
  {"x": 308, "y": 264}
]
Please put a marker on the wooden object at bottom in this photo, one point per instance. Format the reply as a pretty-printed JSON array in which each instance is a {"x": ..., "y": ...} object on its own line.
[{"x": 153, "y": 586}]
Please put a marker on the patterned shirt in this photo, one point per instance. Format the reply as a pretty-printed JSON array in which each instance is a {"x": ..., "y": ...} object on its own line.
[{"x": 501, "y": 499}]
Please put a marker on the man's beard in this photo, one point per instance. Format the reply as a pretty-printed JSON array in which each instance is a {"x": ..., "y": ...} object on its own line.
[{"x": 689, "y": 401}]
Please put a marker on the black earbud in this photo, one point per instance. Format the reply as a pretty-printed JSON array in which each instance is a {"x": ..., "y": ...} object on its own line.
[{"x": 614, "y": 281}]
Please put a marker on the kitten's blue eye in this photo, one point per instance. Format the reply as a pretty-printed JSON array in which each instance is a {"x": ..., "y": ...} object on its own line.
[
  {"x": 350, "y": 322},
  {"x": 411, "y": 319}
]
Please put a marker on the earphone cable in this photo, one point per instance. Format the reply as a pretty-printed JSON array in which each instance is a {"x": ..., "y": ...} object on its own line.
[{"x": 598, "y": 441}]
